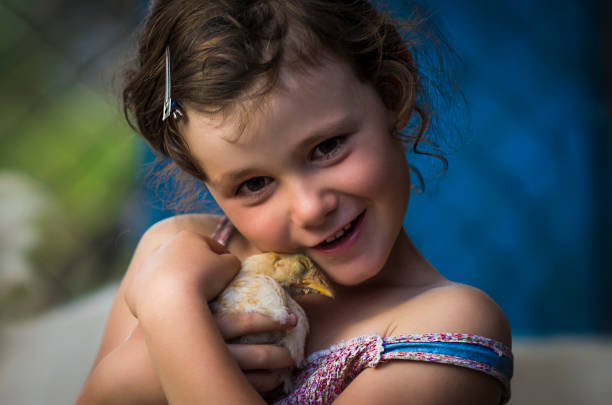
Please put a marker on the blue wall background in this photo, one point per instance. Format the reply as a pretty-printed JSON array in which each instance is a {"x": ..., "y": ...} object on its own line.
[{"x": 522, "y": 212}]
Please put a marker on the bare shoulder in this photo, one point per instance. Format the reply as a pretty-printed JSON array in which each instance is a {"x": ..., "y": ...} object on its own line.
[
  {"x": 165, "y": 229},
  {"x": 456, "y": 308},
  {"x": 461, "y": 308},
  {"x": 451, "y": 307}
]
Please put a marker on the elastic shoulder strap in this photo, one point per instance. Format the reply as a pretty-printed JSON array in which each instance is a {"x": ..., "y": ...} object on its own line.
[{"x": 463, "y": 350}]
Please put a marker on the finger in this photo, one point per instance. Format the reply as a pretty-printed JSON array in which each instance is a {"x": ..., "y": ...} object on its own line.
[
  {"x": 221, "y": 266},
  {"x": 261, "y": 357},
  {"x": 231, "y": 261},
  {"x": 240, "y": 324},
  {"x": 264, "y": 381},
  {"x": 222, "y": 251},
  {"x": 225, "y": 266}
]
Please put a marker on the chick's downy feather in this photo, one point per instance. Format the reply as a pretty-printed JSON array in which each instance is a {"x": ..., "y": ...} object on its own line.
[{"x": 266, "y": 284}]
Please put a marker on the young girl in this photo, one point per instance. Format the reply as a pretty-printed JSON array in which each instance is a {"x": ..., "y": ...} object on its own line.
[{"x": 290, "y": 112}]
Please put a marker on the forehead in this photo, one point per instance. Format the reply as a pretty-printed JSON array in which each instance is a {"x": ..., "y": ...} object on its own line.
[
  {"x": 329, "y": 78},
  {"x": 301, "y": 102}
]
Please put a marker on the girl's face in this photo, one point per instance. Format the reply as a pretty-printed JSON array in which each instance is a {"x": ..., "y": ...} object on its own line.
[{"x": 315, "y": 171}]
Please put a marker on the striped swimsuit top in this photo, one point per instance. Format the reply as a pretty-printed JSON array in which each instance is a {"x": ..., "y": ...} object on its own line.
[{"x": 326, "y": 373}]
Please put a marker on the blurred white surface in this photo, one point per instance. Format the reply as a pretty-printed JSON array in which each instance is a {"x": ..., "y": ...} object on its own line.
[
  {"x": 562, "y": 370},
  {"x": 22, "y": 202},
  {"x": 46, "y": 360}
]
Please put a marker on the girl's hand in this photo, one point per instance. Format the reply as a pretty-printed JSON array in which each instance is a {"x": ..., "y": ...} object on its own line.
[
  {"x": 196, "y": 267},
  {"x": 260, "y": 363},
  {"x": 168, "y": 295},
  {"x": 189, "y": 265}
]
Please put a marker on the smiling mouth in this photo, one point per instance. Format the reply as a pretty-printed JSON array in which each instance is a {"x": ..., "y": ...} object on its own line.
[{"x": 341, "y": 234}]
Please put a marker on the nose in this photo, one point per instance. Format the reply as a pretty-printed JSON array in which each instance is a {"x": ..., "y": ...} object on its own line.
[{"x": 311, "y": 203}]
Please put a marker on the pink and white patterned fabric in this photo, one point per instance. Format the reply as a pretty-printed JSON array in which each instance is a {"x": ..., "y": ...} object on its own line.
[{"x": 326, "y": 373}]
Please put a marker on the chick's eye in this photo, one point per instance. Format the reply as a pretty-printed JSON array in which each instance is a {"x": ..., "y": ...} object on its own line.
[
  {"x": 254, "y": 185},
  {"x": 328, "y": 148}
]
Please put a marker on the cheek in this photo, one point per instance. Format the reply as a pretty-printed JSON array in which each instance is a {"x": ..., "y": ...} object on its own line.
[
  {"x": 262, "y": 226},
  {"x": 382, "y": 172}
]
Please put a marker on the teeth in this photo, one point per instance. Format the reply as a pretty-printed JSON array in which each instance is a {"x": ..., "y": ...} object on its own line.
[
  {"x": 336, "y": 236},
  {"x": 339, "y": 233},
  {"x": 333, "y": 238}
]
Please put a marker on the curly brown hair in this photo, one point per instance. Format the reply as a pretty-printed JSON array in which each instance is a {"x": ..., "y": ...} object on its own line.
[{"x": 224, "y": 51}]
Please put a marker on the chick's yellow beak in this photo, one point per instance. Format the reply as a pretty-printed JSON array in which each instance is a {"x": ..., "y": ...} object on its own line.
[{"x": 319, "y": 285}]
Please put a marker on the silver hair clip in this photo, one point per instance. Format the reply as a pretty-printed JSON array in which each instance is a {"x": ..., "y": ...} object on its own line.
[{"x": 170, "y": 107}]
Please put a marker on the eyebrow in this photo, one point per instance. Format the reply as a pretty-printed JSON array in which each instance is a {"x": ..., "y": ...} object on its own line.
[
  {"x": 341, "y": 123},
  {"x": 232, "y": 177},
  {"x": 344, "y": 122}
]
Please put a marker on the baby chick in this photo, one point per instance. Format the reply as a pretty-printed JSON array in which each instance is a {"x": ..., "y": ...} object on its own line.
[{"x": 266, "y": 284}]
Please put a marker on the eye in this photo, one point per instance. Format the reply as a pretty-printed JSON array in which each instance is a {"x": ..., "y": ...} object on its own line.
[
  {"x": 254, "y": 185},
  {"x": 328, "y": 148}
]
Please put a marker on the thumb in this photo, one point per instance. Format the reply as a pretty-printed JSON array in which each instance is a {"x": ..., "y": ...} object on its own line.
[{"x": 227, "y": 266}]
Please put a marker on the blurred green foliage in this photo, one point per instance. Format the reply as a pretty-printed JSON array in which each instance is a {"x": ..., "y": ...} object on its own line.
[
  {"x": 64, "y": 141},
  {"x": 81, "y": 150}
]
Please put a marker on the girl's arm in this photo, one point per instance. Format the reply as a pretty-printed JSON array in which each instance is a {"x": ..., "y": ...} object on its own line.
[
  {"x": 125, "y": 376},
  {"x": 456, "y": 309},
  {"x": 123, "y": 371},
  {"x": 169, "y": 296}
]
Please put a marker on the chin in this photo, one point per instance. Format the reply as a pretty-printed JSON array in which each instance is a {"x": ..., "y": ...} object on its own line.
[
  {"x": 353, "y": 274},
  {"x": 361, "y": 264}
]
